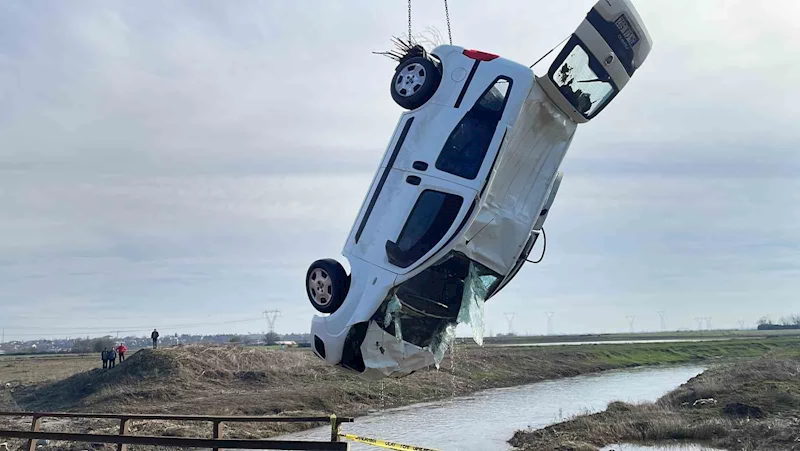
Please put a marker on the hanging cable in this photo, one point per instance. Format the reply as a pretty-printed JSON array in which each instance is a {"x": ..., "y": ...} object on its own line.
[
  {"x": 447, "y": 16},
  {"x": 544, "y": 248},
  {"x": 531, "y": 66},
  {"x": 481, "y": 230}
]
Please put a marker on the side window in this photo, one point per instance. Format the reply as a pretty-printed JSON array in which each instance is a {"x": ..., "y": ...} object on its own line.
[
  {"x": 494, "y": 99},
  {"x": 466, "y": 147},
  {"x": 430, "y": 219}
]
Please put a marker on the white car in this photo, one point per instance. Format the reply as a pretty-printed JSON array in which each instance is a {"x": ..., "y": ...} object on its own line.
[{"x": 462, "y": 192}]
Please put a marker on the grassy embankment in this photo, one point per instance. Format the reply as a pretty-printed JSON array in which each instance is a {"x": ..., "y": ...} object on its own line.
[
  {"x": 720, "y": 334},
  {"x": 247, "y": 381},
  {"x": 756, "y": 406}
]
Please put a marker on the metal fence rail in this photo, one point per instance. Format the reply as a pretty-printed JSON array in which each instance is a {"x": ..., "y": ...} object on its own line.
[{"x": 217, "y": 442}]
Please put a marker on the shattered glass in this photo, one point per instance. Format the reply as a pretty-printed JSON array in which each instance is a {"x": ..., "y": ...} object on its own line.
[
  {"x": 425, "y": 310},
  {"x": 476, "y": 288},
  {"x": 392, "y": 316},
  {"x": 441, "y": 343}
]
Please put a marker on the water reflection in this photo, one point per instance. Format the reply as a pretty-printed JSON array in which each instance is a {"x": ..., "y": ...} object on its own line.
[
  {"x": 676, "y": 447},
  {"x": 486, "y": 420}
]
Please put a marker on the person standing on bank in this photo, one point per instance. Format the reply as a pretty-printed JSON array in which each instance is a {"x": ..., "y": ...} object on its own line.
[
  {"x": 154, "y": 336},
  {"x": 121, "y": 350},
  {"x": 112, "y": 358},
  {"x": 104, "y": 356}
]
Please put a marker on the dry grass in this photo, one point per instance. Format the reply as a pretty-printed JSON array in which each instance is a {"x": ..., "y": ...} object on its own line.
[
  {"x": 20, "y": 372},
  {"x": 26, "y": 370},
  {"x": 256, "y": 381},
  {"x": 757, "y": 408}
]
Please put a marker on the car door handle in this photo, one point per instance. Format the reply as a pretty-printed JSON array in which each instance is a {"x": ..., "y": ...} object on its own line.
[{"x": 413, "y": 180}]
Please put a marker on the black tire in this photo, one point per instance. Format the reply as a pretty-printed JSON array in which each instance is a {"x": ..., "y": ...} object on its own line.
[
  {"x": 327, "y": 284},
  {"x": 414, "y": 83}
]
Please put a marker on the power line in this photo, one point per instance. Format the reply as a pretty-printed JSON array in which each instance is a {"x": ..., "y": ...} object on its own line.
[
  {"x": 271, "y": 316},
  {"x": 98, "y": 330},
  {"x": 137, "y": 327},
  {"x": 40, "y": 317},
  {"x": 630, "y": 319},
  {"x": 510, "y": 318},
  {"x": 75, "y": 333}
]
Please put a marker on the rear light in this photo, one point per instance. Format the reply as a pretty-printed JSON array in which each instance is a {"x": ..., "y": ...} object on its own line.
[{"x": 480, "y": 56}]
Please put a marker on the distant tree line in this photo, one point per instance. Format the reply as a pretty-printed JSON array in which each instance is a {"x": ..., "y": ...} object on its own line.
[
  {"x": 87, "y": 345},
  {"x": 786, "y": 322},
  {"x": 271, "y": 338}
]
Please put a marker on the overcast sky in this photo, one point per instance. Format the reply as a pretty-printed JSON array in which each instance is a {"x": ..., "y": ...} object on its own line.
[{"x": 179, "y": 163}]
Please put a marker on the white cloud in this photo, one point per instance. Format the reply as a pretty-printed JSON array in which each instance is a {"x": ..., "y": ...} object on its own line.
[{"x": 189, "y": 159}]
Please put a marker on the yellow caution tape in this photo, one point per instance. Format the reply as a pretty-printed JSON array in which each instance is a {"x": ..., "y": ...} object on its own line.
[{"x": 384, "y": 444}]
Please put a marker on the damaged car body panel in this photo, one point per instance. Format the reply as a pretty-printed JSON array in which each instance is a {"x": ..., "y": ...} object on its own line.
[
  {"x": 462, "y": 192},
  {"x": 520, "y": 185}
]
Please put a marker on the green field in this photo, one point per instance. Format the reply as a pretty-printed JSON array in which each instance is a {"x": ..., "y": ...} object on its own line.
[{"x": 643, "y": 336}]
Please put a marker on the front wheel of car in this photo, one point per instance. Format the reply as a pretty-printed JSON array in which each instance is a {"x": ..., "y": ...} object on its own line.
[
  {"x": 415, "y": 81},
  {"x": 327, "y": 284}
]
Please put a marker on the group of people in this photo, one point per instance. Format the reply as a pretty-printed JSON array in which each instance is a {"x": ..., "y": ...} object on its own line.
[{"x": 109, "y": 356}]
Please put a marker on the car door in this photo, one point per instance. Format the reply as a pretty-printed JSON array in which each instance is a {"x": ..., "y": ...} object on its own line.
[
  {"x": 407, "y": 217},
  {"x": 459, "y": 142}
]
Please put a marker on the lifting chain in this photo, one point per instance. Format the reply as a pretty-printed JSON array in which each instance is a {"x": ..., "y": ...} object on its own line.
[
  {"x": 446, "y": 15},
  {"x": 409, "y": 22}
]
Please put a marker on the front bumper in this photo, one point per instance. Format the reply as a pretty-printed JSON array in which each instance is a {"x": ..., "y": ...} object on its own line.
[{"x": 386, "y": 356}]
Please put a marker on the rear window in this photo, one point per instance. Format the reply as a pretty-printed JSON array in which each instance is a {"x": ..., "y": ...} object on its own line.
[
  {"x": 430, "y": 219},
  {"x": 466, "y": 147},
  {"x": 581, "y": 79}
]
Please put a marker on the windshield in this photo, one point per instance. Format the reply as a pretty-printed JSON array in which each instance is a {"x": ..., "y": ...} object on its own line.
[
  {"x": 581, "y": 80},
  {"x": 423, "y": 307}
]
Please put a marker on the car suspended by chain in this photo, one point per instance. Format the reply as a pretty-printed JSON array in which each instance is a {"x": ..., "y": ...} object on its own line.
[{"x": 462, "y": 192}]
